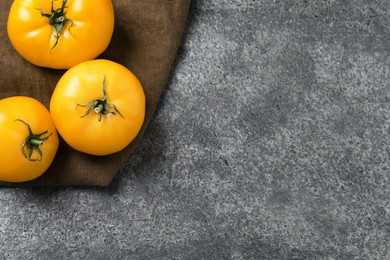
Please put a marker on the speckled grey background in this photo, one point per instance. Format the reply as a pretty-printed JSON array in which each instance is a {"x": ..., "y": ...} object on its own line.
[{"x": 271, "y": 141}]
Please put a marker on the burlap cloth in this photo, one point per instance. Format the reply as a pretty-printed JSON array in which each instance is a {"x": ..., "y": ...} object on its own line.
[{"x": 146, "y": 37}]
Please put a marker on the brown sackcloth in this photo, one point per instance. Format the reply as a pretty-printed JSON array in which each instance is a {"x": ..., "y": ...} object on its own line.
[{"x": 146, "y": 37}]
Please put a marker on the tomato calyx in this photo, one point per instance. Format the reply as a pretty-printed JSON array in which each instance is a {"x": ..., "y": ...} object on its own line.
[
  {"x": 32, "y": 143},
  {"x": 57, "y": 20},
  {"x": 100, "y": 106}
]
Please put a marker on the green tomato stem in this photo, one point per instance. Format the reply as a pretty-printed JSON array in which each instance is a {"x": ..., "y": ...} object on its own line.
[
  {"x": 57, "y": 20},
  {"x": 36, "y": 142},
  {"x": 32, "y": 142},
  {"x": 100, "y": 106}
]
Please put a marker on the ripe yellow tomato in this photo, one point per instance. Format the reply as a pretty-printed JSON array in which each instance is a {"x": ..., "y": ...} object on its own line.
[
  {"x": 98, "y": 107},
  {"x": 28, "y": 138},
  {"x": 60, "y": 33}
]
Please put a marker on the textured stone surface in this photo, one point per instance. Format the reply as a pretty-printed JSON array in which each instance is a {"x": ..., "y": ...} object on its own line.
[{"x": 271, "y": 141}]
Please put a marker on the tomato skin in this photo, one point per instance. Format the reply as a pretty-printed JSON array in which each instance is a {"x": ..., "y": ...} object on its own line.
[
  {"x": 14, "y": 167},
  {"x": 33, "y": 37},
  {"x": 82, "y": 84}
]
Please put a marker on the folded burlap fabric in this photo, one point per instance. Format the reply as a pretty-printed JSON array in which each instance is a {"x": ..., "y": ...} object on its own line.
[{"x": 146, "y": 37}]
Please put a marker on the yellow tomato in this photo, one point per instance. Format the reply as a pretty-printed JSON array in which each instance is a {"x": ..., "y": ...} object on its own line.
[
  {"x": 98, "y": 107},
  {"x": 60, "y": 34},
  {"x": 28, "y": 139}
]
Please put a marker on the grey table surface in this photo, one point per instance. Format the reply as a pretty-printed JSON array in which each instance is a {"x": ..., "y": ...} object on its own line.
[{"x": 271, "y": 141}]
